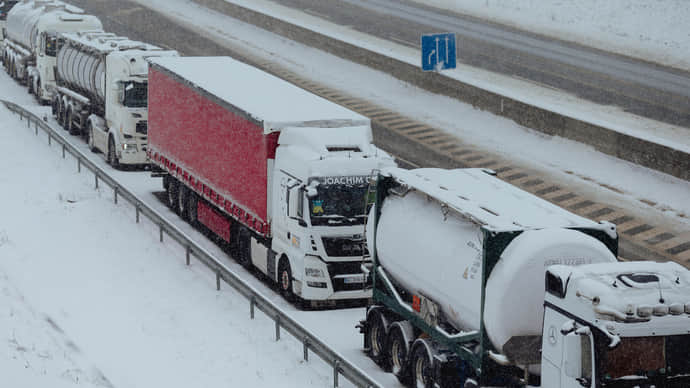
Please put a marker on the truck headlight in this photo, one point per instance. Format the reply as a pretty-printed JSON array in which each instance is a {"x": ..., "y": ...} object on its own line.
[
  {"x": 129, "y": 147},
  {"x": 313, "y": 272}
]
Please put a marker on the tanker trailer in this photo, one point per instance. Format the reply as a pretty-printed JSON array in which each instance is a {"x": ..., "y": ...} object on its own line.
[
  {"x": 102, "y": 93},
  {"x": 5, "y": 7},
  {"x": 458, "y": 276},
  {"x": 31, "y": 41}
]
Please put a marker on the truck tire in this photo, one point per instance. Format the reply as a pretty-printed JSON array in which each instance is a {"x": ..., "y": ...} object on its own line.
[
  {"x": 89, "y": 138},
  {"x": 112, "y": 155},
  {"x": 285, "y": 279},
  {"x": 192, "y": 206},
  {"x": 181, "y": 207},
  {"x": 55, "y": 107},
  {"x": 377, "y": 333},
  {"x": 421, "y": 364},
  {"x": 243, "y": 249},
  {"x": 398, "y": 347},
  {"x": 173, "y": 194},
  {"x": 69, "y": 123},
  {"x": 61, "y": 115}
]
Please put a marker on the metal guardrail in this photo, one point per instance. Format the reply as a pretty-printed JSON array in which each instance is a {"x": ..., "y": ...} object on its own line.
[{"x": 340, "y": 365}]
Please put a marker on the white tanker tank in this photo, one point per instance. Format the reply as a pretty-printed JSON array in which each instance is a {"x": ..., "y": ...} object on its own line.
[
  {"x": 32, "y": 28},
  {"x": 437, "y": 227}
]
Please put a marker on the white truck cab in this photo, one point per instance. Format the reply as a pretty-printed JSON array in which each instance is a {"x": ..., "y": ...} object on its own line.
[
  {"x": 111, "y": 112},
  {"x": 320, "y": 185},
  {"x": 616, "y": 325}
]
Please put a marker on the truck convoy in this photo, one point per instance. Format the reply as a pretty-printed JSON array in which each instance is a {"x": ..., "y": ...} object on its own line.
[
  {"x": 279, "y": 174},
  {"x": 477, "y": 283},
  {"x": 30, "y": 44},
  {"x": 101, "y": 93}
]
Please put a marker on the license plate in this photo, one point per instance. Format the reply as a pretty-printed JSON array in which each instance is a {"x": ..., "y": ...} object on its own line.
[{"x": 354, "y": 279}]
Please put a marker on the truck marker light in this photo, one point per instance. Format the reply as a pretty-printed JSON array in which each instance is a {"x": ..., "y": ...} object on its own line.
[
  {"x": 676, "y": 309},
  {"x": 416, "y": 303},
  {"x": 644, "y": 311},
  {"x": 660, "y": 310}
]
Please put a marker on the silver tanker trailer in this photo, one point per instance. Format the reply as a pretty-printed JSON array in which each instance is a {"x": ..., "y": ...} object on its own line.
[{"x": 102, "y": 93}]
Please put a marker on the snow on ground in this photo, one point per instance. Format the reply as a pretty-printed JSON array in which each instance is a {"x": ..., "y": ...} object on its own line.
[
  {"x": 567, "y": 160},
  {"x": 90, "y": 298},
  {"x": 655, "y": 31}
]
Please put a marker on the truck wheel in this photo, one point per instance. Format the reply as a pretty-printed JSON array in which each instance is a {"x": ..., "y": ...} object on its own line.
[
  {"x": 422, "y": 364},
  {"x": 173, "y": 194},
  {"x": 285, "y": 280},
  {"x": 112, "y": 154},
  {"x": 89, "y": 138},
  {"x": 182, "y": 194},
  {"x": 31, "y": 85},
  {"x": 398, "y": 347},
  {"x": 377, "y": 331},
  {"x": 69, "y": 123},
  {"x": 61, "y": 115},
  {"x": 243, "y": 252},
  {"x": 192, "y": 203},
  {"x": 55, "y": 107}
]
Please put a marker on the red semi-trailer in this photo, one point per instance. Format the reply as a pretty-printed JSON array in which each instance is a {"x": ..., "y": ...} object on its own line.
[{"x": 278, "y": 173}]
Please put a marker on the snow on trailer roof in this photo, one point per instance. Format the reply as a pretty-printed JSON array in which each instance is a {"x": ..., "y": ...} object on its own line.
[
  {"x": 105, "y": 42},
  {"x": 477, "y": 194},
  {"x": 266, "y": 99}
]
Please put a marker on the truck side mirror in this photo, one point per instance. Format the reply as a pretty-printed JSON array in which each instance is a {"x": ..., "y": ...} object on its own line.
[
  {"x": 573, "y": 355},
  {"x": 578, "y": 356},
  {"x": 296, "y": 205}
]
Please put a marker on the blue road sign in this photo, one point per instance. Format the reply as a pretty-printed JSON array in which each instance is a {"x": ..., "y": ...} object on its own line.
[{"x": 438, "y": 52}]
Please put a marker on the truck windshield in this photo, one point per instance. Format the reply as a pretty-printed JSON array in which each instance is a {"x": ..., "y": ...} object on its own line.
[
  {"x": 647, "y": 362},
  {"x": 5, "y": 7},
  {"x": 135, "y": 94},
  {"x": 339, "y": 203}
]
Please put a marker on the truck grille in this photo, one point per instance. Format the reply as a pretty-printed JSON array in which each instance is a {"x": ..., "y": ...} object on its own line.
[
  {"x": 353, "y": 267},
  {"x": 142, "y": 127},
  {"x": 345, "y": 247}
]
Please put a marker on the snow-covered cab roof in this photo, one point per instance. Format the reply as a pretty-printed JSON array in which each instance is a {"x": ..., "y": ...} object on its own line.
[
  {"x": 627, "y": 291},
  {"x": 267, "y": 100},
  {"x": 496, "y": 205},
  {"x": 104, "y": 42}
]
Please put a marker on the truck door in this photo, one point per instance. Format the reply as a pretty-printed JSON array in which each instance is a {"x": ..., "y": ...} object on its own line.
[{"x": 577, "y": 370}]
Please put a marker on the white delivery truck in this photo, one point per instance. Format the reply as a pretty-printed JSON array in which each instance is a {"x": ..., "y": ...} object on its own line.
[
  {"x": 31, "y": 37},
  {"x": 478, "y": 283},
  {"x": 101, "y": 93},
  {"x": 277, "y": 173}
]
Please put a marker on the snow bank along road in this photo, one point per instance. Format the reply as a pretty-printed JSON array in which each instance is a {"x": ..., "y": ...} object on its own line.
[
  {"x": 570, "y": 175},
  {"x": 116, "y": 298}
]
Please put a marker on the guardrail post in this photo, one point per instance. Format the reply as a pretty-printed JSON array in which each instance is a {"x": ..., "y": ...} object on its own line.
[
  {"x": 217, "y": 280},
  {"x": 36, "y": 129},
  {"x": 78, "y": 164},
  {"x": 252, "y": 302},
  {"x": 115, "y": 195},
  {"x": 160, "y": 226},
  {"x": 96, "y": 180},
  {"x": 50, "y": 138},
  {"x": 336, "y": 371},
  {"x": 63, "y": 151},
  {"x": 187, "y": 253},
  {"x": 28, "y": 123},
  {"x": 136, "y": 208},
  {"x": 305, "y": 344},
  {"x": 277, "y": 327}
]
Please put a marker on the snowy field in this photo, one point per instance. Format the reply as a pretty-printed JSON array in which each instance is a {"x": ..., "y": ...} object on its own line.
[
  {"x": 567, "y": 161},
  {"x": 651, "y": 30}
]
